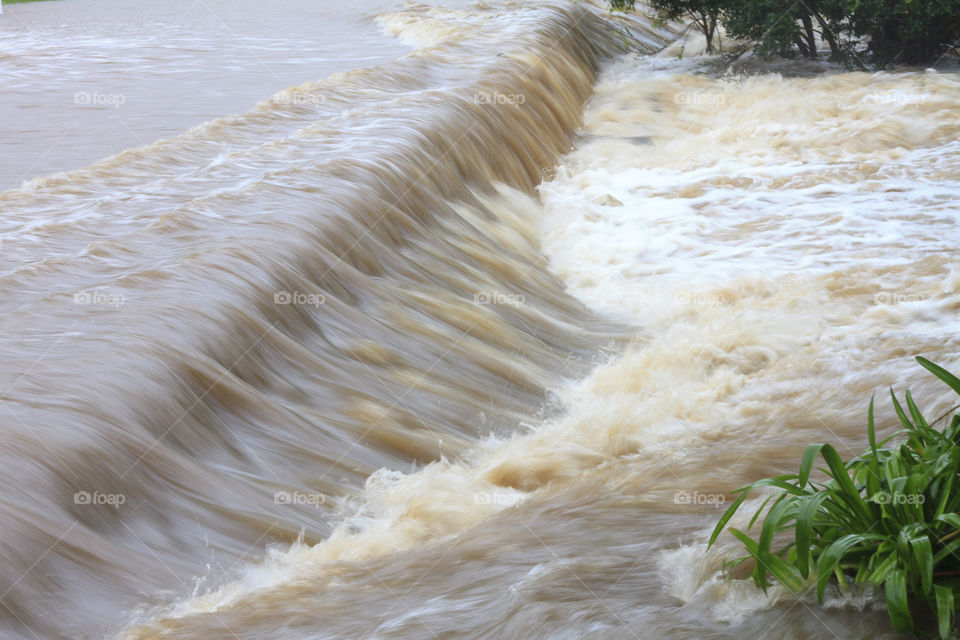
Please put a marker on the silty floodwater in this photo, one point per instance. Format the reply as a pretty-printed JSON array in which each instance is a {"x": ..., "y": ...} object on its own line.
[{"x": 470, "y": 342}]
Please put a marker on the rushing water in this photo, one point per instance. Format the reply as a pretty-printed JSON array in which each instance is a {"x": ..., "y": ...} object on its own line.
[
  {"x": 469, "y": 343},
  {"x": 86, "y": 79}
]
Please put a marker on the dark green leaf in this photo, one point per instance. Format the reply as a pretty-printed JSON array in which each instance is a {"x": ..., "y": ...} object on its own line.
[
  {"x": 895, "y": 589},
  {"x": 945, "y": 608}
]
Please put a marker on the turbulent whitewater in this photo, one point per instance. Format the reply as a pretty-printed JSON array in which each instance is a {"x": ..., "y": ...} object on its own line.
[{"x": 473, "y": 343}]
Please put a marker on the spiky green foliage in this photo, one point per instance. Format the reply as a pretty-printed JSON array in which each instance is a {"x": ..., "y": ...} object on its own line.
[{"x": 889, "y": 517}]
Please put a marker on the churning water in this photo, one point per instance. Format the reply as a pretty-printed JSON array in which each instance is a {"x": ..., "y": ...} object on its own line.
[{"x": 471, "y": 342}]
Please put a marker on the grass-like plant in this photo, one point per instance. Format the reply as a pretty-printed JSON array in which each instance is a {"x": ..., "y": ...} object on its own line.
[{"x": 888, "y": 517}]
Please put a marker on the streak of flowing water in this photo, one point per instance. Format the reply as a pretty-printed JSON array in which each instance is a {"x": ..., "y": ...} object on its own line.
[
  {"x": 465, "y": 379},
  {"x": 86, "y": 79}
]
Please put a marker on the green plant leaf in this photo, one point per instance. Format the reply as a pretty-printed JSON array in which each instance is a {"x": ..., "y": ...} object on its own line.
[
  {"x": 895, "y": 589},
  {"x": 923, "y": 553},
  {"x": 849, "y": 492},
  {"x": 904, "y": 420},
  {"x": 725, "y": 518},
  {"x": 883, "y": 569},
  {"x": 945, "y": 609},
  {"x": 951, "y": 380},
  {"x": 806, "y": 463},
  {"x": 873, "y": 464},
  {"x": 918, "y": 418},
  {"x": 763, "y": 505},
  {"x": 781, "y": 483},
  {"x": 804, "y": 531},
  {"x": 952, "y": 519},
  {"x": 832, "y": 555},
  {"x": 784, "y": 573}
]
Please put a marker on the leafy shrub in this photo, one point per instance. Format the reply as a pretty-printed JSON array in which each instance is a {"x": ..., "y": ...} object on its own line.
[
  {"x": 887, "y": 517},
  {"x": 896, "y": 31}
]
